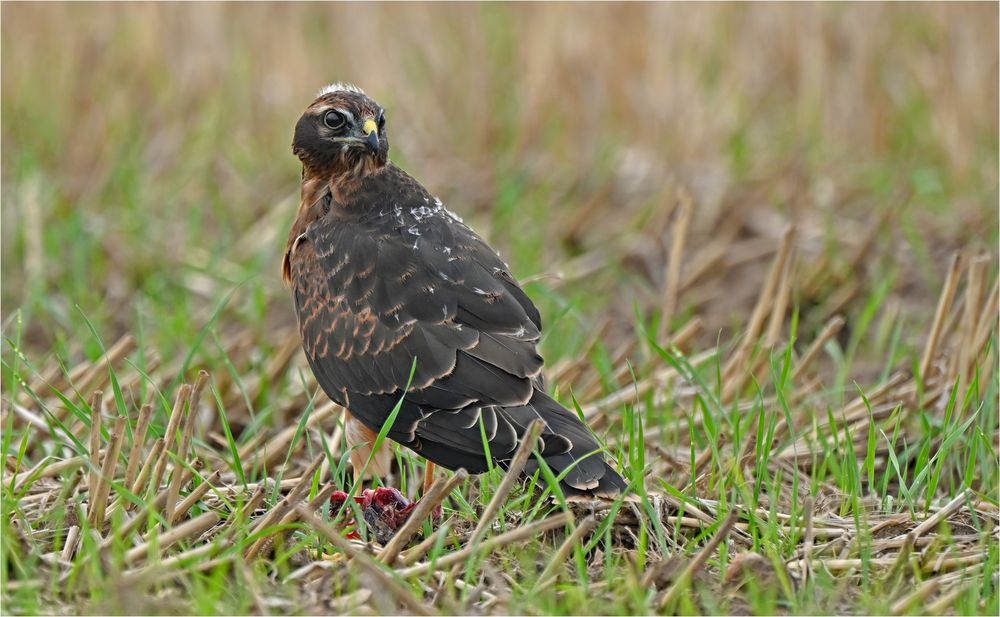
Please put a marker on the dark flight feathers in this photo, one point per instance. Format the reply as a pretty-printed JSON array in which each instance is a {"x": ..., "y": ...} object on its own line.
[{"x": 394, "y": 276}]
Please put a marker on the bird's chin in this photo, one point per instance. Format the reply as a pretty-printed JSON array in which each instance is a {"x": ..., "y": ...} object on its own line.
[
  {"x": 377, "y": 159},
  {"x": 358, "y": 163}
]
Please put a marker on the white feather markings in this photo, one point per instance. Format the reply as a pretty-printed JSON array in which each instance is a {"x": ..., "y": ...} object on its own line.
[
  {"x": 423, "y": 212},
  {"x": 339, "y": 87}
]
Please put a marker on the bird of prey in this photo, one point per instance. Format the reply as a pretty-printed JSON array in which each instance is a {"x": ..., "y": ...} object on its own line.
[{"x": 383, "y": 275}]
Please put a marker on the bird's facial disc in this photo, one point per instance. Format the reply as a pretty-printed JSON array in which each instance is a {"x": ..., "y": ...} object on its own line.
[{"x": 341, "y": 129}]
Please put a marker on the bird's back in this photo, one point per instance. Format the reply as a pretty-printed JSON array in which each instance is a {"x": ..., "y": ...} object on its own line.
[{"x": 391, "y": 277}]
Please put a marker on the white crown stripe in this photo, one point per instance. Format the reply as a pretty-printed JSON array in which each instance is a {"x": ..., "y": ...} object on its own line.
[{"x": 340, "y": 87}]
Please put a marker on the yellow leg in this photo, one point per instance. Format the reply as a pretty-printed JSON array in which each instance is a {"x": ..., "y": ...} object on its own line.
[
  {"x": 428, "y": 477},
  {"x": 360, "y": 435}
]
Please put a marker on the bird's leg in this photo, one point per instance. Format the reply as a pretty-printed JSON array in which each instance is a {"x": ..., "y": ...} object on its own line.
[
  {"x": 357, "y": 473},
  {"x": 428, "y": 483},
  {"x": 428, "y": 477},
  {"x": 360, "y": 440},
  {"x": 384, "y": 509}
]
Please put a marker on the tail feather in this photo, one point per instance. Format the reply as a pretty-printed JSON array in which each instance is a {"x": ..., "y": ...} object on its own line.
[
  {"x": 567, "y": 445},
  {"x": 582, "y": 465}
]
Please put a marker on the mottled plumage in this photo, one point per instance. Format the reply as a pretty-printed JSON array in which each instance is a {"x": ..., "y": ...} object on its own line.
[{"x": 383, "y": 273}]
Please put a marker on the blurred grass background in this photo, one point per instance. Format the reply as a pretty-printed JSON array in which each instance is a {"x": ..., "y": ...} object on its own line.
[
  {"x": 148, "y": 186},
  {"x": 147, "y": 168}
]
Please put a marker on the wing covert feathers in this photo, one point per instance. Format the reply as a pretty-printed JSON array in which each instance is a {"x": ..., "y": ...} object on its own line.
[{"x": 396, "y": 277}]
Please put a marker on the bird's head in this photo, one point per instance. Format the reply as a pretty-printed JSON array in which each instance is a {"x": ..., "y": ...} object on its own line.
[{"x": 342, "y": 134}]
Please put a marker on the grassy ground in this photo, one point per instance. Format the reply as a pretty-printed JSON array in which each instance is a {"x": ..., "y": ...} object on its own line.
[{"x": 763, "y": 241}]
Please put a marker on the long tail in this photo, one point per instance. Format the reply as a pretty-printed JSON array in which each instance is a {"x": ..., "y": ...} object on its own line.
[{"x": 568, "y": 447}]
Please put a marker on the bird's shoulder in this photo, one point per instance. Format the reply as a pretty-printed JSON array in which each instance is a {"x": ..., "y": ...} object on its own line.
[
  {"x": 396, "y": 242},
  {"x": 395, "y": 200},
  {"x": 408, "y": 279}
]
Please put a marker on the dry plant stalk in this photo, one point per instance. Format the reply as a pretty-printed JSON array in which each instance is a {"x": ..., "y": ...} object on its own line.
[
  {"x": 170, "y": 437},
  {"x": 246, "y": 512},
  {"x": 963, "y": 360},
  {"x": 413, "y": 555},
  {"x": 683, "y": 336},
  {"x": 673, "y": 274},
  {"x": 166, "y": 539},
  {"x": 831, "y": 329},
  {"x": 169, "y": 565},
  {"x": 512, "y": 475},
  {"x": 254, "y": 502},
  {"x": 403, "y": 595},
  {"x": 177, "y": 477},
  {"x": 147, "y": 467},
  {"x": 277, "y": 447},
  {"x": 97, "y": 374},
  {"x": 548, "y": 575},
  {"x": 136, "y": 521},
  {"x": 735, "y": 372},
  {"x": 777, "y": 319},
  {"x": 947, "y": 599},
  {"x": 942, "y": 514},
  {"x": 47, "y": 469},
  {"x": 70, "y": 546},
  {"x": 809, "y": 538},
  {"x": 99, "y": 496},
  {"x": 96, "y": 402},
  {"x": 188, "y": 502},
  {"x": 138, "y": 442},
  {"x": 322, "y": 498},
  {"x": 516, "y": 535},
  {"x": 943, "y": 308},
  {"x": 902, "y": 557},
  {"x": 284, "y": 506},
  {"x": 684, "y": 578}
]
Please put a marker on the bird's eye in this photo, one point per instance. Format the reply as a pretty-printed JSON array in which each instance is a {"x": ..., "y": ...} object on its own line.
[
  {"x": 334, "y": 120},
  {"x": 381, "y": 120}
]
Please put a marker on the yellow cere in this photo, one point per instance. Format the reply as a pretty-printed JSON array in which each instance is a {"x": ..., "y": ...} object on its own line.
[{"x": 369, "y": 127}]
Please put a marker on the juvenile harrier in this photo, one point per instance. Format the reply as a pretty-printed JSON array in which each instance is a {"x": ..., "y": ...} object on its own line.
[{"x": 383, "y": 273}]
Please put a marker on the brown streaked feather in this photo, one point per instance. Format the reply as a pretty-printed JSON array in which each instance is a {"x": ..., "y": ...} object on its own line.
[{"x": 384, "y": 277}]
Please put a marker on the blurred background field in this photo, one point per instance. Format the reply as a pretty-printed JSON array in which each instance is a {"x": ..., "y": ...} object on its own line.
[
  {"x": 148, "y": 157},
  {"x": 148, "y": 186}
]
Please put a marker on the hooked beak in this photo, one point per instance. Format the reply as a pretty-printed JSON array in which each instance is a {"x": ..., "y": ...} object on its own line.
[{"x": 370, "y": 130}]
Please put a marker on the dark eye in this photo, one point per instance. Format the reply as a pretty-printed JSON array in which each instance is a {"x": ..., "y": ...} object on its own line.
[
  {"x": 381, "y": 120},
  {"x": 334, "y": 120}
]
